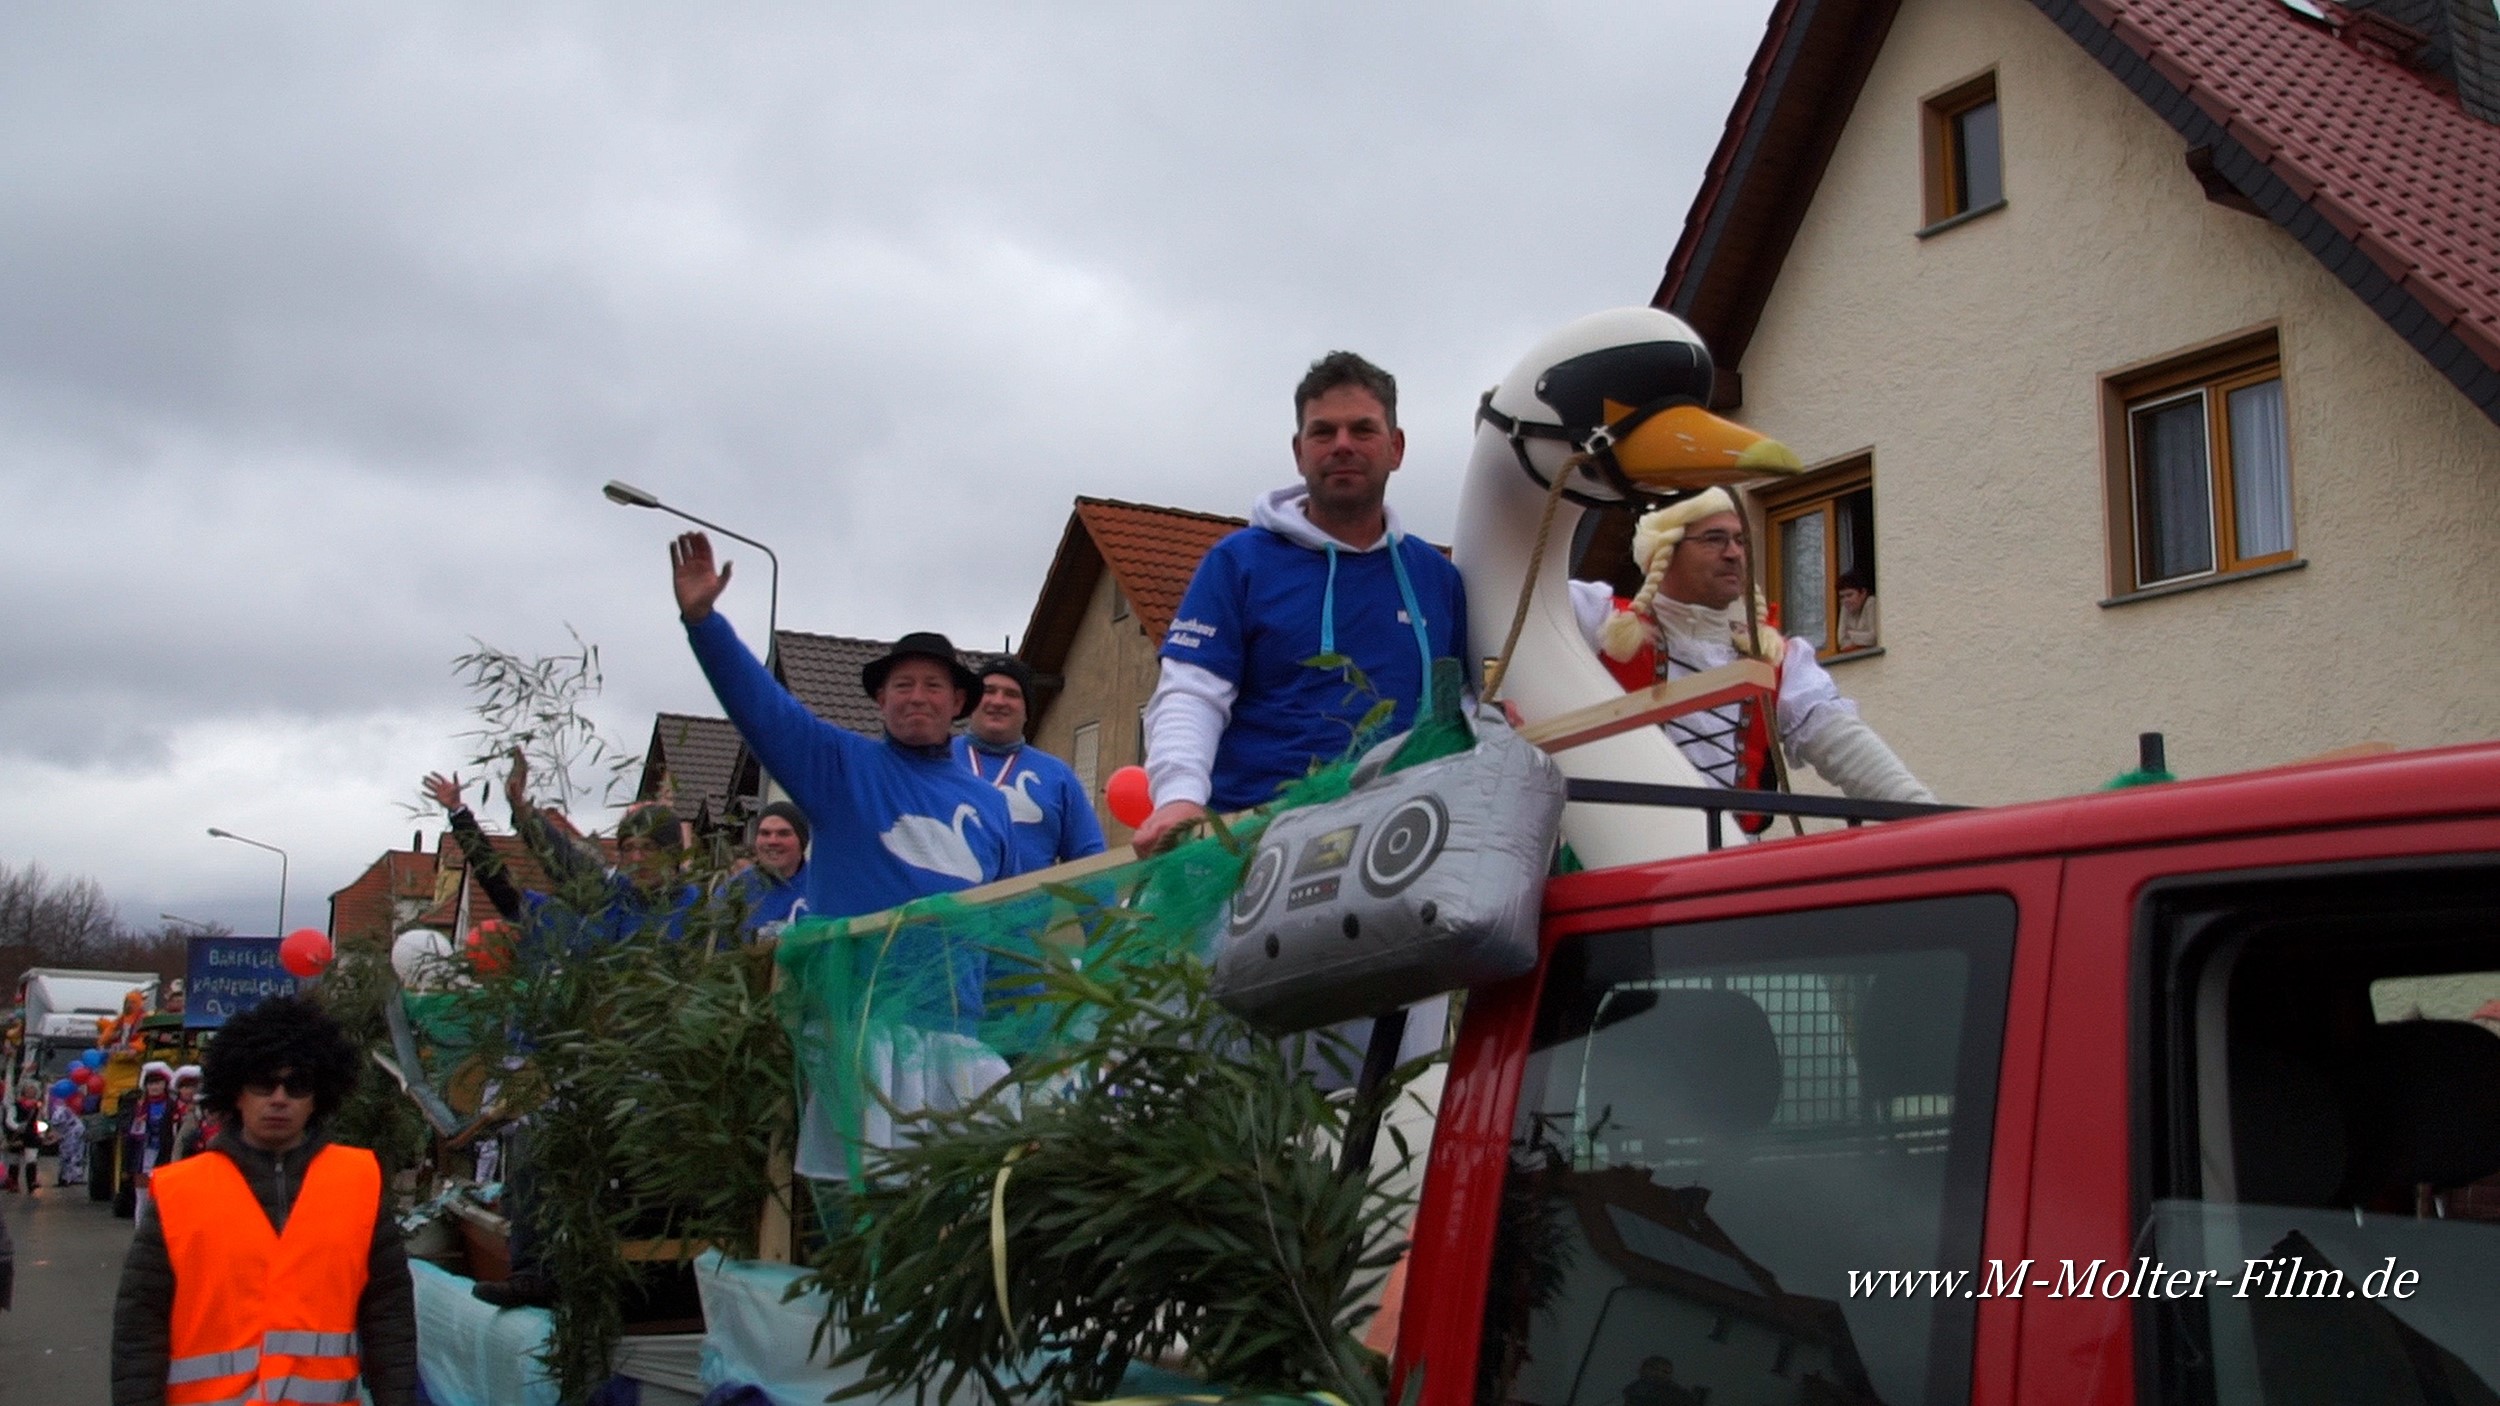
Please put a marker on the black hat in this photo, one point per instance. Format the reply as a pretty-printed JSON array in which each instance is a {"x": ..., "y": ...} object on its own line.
[
  {"x": 783, "y": 810},
  {"x": 924, "y": 644},
  {"x": 1013, "y": 668}
]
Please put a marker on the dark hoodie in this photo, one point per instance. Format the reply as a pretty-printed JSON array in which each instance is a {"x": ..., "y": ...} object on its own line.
[{"x": 386, "y": 1319}]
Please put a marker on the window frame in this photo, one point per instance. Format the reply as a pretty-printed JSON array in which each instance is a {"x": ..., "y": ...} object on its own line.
[
  {"x": 1087, "y": 738},
  {"x": 1821, "y": 487},
  {"x": 2212, "y": 372},
  {"x": 1941, "y": 156}
]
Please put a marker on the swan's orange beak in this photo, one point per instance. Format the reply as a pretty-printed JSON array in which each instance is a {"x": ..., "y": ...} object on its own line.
[{"x": 1688, "y": 449}]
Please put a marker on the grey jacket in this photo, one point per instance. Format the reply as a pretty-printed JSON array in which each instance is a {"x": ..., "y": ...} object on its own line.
[{"x": 386, "y": 1318}]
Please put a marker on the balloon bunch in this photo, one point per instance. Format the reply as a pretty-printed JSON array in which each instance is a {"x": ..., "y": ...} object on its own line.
[{"x": 83, "y": 1085}]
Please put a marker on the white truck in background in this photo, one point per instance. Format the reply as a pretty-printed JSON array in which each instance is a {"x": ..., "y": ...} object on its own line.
[{"x": 61, "y": 1006}]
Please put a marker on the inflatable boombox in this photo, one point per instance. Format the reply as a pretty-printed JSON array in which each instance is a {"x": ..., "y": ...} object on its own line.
[{"x": 1418, "y": 882}]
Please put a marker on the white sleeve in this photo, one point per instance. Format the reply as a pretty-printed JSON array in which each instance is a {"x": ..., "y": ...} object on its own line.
[
  {"x": 1848, "y": 754},
  {"x": 1591, "y": 603},
  {"x": 1184, "y": 721}
]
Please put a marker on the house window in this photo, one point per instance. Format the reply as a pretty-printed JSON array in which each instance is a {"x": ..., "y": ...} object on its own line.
[
  {"x": 2200, "y": 467},
  {"x": 1119, "y": 604},
  {"x": 1088, "y": 758},
  {"x": 1964, "y": 150},
  {"x": 1822, "y": 557}
]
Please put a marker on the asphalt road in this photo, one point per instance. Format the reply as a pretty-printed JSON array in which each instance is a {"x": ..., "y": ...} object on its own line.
[{"x": 55, "y": 1345}]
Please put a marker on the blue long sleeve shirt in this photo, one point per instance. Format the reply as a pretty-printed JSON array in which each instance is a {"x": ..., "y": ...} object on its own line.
[
  {"x": 1054, "y": 818},
  {"x": 890, "y": 823}
]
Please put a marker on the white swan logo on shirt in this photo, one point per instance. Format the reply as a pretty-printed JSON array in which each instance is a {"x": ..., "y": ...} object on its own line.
[
  {"x": 924, "y": 843},
  {"x": 1020, "y": 803}
]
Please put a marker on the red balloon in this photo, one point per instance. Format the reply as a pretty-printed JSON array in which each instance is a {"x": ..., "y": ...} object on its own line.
[
  {"x": 1129, "y": 797},
  {"x": 305, "y": 953},
  {"x": 79, "y": 1074},
  {"x": 490, "y": 945}
]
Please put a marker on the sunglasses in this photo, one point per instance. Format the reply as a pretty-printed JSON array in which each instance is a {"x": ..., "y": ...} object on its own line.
[{"x": 295, "y": 1085}]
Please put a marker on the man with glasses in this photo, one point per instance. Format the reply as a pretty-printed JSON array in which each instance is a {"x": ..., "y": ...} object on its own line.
[
  {"x": 269, "y": 1268},
  {"x": 1690, "y": 617}
]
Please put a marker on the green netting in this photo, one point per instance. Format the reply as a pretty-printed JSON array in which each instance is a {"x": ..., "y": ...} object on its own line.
[{"x": 926, "y": 1007}]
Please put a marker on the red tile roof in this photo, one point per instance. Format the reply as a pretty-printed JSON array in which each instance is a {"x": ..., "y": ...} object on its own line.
[
  {"x": 2381, "y": 151},
  {"x": 1152, "y": 552},
  {"x": 365, "y": 910},
  {"x": 2387, "y": 173}
]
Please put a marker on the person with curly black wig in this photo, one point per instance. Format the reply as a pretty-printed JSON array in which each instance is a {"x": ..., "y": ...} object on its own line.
[{"x": 269, "y": 1266}]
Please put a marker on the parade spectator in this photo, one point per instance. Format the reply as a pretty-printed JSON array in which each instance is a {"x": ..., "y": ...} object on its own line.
[
  {"x": 148, "y": 1126},
  {"x": 1324, "y": 569},
  {"x": 187, "y": 1115},
  {"x": 8, "y": 1265},
  {"x": 213, "y": 1306},
  {"x": 1857, "y": 628},
  {"x": 901, "y": 817},
  {"x": 21, "y": 1124},
  {"x": 1054, "y": 818},
  {"x": 69, "y": 1130}
]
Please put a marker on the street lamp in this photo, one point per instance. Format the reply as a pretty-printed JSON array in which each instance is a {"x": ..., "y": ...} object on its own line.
[
  {"x": 627, "y": 496},
  {"x": 194, "y": 922},
  {"x": 216, "y": 833}
]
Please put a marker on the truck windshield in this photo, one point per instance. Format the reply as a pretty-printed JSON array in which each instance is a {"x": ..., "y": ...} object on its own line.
[{"x": 1742, "y": 1149}]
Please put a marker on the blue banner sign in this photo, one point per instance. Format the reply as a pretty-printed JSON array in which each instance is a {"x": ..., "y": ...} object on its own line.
[{"x": 230, "y": 975}]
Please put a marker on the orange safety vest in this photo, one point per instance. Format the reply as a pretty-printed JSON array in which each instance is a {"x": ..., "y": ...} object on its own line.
[{"x": 261, "y": 1317}]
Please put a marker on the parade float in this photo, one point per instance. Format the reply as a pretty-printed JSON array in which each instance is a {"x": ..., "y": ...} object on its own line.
[{"x": 1692, "y": 1093}]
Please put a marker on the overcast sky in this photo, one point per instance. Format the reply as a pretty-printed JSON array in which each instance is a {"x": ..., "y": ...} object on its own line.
[{"x": 321, "y": 325}]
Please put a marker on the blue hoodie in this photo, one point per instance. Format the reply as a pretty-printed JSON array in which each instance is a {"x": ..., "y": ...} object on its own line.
[{"x": 1281, "y": 592}]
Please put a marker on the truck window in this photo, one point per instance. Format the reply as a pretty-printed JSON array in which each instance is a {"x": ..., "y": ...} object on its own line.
[
  {"x": 1741, "y": 1147},
  {"x": 2325, "y": 1128}
]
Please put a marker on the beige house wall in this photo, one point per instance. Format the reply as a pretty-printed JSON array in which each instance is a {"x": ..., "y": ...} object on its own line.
[
  {"x": 1110, "y": 673},
  {"x": 1971, "y": 363}
]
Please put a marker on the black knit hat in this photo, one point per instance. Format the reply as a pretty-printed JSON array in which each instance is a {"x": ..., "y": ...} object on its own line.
[
  {"x": 1013, "y": 668},
  {"x": 788, "y": 812},
  {"x": 924, "y": 644}
]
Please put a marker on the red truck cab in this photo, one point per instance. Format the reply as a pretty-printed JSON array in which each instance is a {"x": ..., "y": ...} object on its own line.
[{"x": 2174, "y": 1094}]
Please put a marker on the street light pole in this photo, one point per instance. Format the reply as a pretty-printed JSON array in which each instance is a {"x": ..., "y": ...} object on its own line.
[
  {"x": 194, "y": 922},
  {"x": 626, "y": 495},
  {"x": 273, "y": 849}
]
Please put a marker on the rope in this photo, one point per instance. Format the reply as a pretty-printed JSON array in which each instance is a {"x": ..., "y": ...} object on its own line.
[{"x": 1527, "y": 581}]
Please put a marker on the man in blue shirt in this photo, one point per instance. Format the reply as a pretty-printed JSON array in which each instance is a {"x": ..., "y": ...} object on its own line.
[
  {"x": 778, "y": 880},
  {"x": 1324, "y": 570},
  {"x": 900, "y": 816},
  {"x": 1054, "y": 818}
]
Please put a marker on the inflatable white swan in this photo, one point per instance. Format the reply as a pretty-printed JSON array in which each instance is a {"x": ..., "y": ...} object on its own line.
[{"x": 1630, "y": 388}]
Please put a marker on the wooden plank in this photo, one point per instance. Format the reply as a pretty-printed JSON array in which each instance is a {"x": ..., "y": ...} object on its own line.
[
  {"x": 1650, "y": 706},
  {"x": 1729, "y": 683}
]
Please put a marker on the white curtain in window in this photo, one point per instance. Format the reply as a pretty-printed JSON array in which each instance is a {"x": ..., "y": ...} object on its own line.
[
  {"x": 2261, "y": 480},
  {"x": 2174, "y": 491},
  {"x": 1804, "y": 577}
]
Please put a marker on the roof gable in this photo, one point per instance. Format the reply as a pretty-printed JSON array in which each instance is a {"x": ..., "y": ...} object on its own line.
[
  {"x": 1151, "y": 553},
  {"x": 2372, "y": 162},
  {"x": 697, "y": 757}
]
